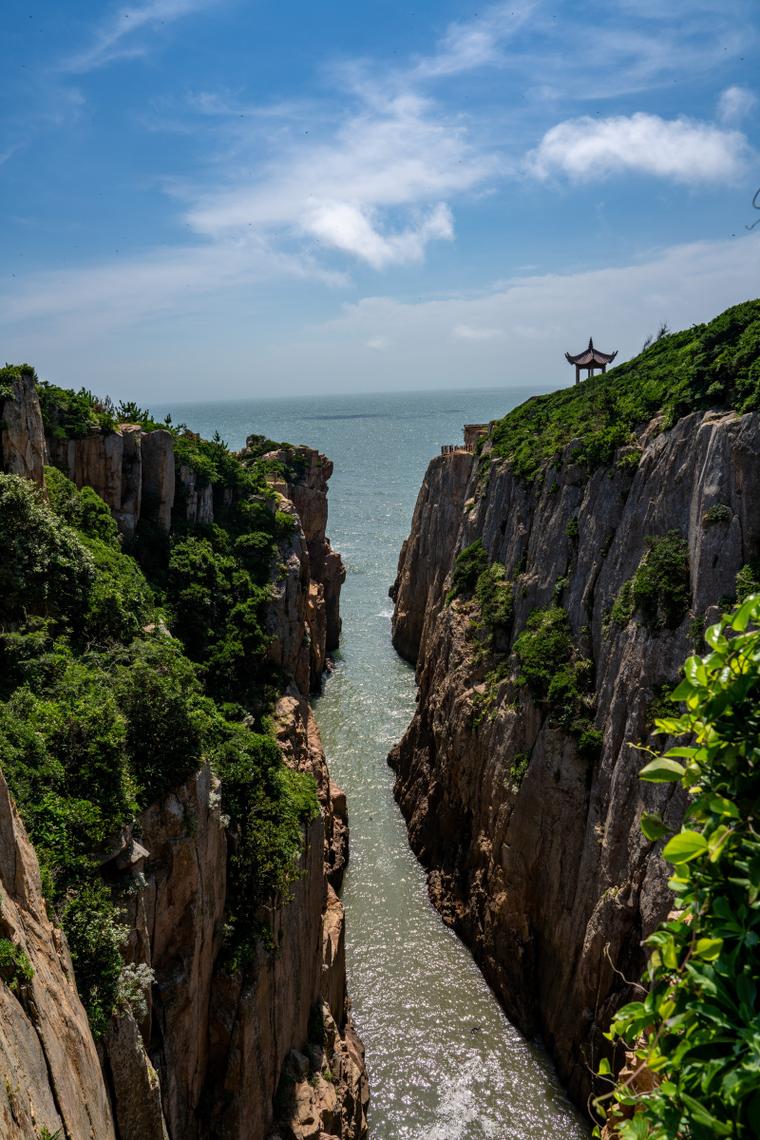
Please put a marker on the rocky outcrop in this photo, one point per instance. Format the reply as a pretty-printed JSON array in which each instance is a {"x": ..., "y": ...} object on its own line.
[
  {"x": 50, "y": 1068},
  {"x": 194, "y": 1050},
  {"x": 531, "y": 839},
  {"x": 132, "y": 470},
  {"x": 427, "y": 553},
  {"x": 305, "y": 485},
  {"x": 23, "y": 449}
]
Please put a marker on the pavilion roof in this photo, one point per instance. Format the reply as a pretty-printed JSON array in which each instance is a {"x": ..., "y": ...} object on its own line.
[{"x": 591, "y": 356}]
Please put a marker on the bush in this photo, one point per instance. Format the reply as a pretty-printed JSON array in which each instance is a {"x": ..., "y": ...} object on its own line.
[
  {"x": 95, "y": 937},
  {"x": 661, "y": 585},
  {"x": 15, "y": 968},
  {"x": 660, "y": 590},
  {"x": 493, "y": 593},
  {"x": 167, "y": 716},
  {"x": 468, "y": 566},
  {"x": 268, "y": 805},
  {"x": 542, "y": 647},
  {"x": 698, "y": 1028},
  {"x": 44, "y": 567}
]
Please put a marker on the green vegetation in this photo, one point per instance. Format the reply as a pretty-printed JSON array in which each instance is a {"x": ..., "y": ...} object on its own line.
[
  {"x": 102, "y": 712},
  {"x": 518, "y": 768},
  {"x": 13, "y": 372},
  {"x": 698, "y": 1027},
  {"x": 468, "y": 566},
  {"x": 494, "y": 595},
  {"x": 558, "y": 675},
  {"x": 718, "y": 513},
  {"x": 712, "y": 365},
  {"x": 748, "y": 581},
  {"x": 15, "y": 968},
  {"x": 660, "y": 589}
]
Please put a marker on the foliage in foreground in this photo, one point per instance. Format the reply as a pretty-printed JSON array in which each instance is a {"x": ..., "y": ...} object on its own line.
[{"x": 698, "y": 1028}]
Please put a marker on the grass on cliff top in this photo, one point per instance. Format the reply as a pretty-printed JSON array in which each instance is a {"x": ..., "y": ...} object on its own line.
[{"x": 712, "y": 365}]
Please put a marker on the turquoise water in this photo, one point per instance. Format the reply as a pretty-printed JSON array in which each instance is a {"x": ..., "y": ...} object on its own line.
[{"x": 443, "y": 1060}]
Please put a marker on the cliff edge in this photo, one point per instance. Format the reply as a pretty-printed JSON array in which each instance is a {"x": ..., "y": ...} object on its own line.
[{"x": 549, "y": 590}]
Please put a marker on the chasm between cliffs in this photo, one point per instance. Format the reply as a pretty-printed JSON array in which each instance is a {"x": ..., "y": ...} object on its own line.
[{"x": 444, "y": 1062}]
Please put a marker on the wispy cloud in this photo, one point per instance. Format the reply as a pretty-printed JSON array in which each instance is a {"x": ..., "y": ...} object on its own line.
[
  {"x": 122, "y": 35},
  {"x": 683, "y": 150},
  {"x": 475, "y": 332},
  {"x": 736, "y": 104},
  {"x": 540, "y": 316},
  {"x": 470, "y": 44},
  {"x": 123, "y": 292},
  {"x": 375, "y": 188}
]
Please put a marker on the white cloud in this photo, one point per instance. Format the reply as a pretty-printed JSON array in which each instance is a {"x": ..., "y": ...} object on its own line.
[
  {"x": 735, "y": 104},
  {"x": 159, "y": 282},
  {"x": 119, "y": 36},
  {"x": 467, "y": 45},
  {"x": 475, "y": 332},
  {"x": 378, "y": 343},
  {"x": 541, "y": 317},
  {"x": 682, "y": 149},
  {"x": 374, "y": 189}
]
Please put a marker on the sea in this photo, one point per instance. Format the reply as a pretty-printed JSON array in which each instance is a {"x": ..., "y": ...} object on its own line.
[{"x": 444, "y": 1062}]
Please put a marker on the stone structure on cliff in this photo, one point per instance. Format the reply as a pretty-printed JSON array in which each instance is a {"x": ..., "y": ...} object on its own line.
[
  {"x": 209, "y": 1054},
  {"x": 533, "y": 846}
]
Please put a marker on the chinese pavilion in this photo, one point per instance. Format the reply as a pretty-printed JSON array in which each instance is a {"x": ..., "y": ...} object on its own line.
[{"x": 590, "y": 359}]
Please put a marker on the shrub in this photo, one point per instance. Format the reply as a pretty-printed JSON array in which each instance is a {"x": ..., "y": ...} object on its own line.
[
  {"x": 44, "y": 567},
  {"x": 493, "y": 593},
  {"x": 15, "y": 968},
  {"x": 660, "y": 590},
  {"x": 747, "y": 581},
  {"x": 268, "y": 805},
  {"x": 95, "y": 937},
  {"x": 543, "y": 646},
  {"x": 718, "y": 513},
  {"x": 468, "y": 565},
  {"x": 167, "y": 716},
  {"x": 661, "y": 586},
  {"x": 698, "y": 1027}
]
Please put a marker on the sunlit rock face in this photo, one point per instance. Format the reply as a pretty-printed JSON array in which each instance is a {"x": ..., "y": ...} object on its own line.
[
  {"x": 532, "y": 844},
  {"x": 209, "y": 1051}
]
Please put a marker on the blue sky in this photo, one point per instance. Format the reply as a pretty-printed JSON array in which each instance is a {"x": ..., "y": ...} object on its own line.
[{"x": 224, "y": 197}]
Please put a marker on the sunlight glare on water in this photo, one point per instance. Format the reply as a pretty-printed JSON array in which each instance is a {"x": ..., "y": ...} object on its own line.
[{"x": 443, "y": 1060}]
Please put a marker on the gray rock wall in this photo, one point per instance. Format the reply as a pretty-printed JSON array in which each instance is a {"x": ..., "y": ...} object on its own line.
[{"x": 549, "y": 879}]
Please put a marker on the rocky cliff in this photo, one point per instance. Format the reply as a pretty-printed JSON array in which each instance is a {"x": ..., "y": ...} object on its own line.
[
  {"x": 195, "y": 1049},
  {"x": 517, "y": 776}
]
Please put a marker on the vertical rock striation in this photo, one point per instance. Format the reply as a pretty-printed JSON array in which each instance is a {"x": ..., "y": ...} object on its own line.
[
  {"x": 529, "y": 831},
  {"x": 204, "y": 1052}
]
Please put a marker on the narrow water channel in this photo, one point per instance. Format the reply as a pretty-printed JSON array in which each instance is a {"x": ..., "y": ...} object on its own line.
[{"x": 444, "y": 1062}]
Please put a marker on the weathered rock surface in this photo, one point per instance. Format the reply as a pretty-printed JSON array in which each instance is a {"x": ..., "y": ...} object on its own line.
[
  {"x": 51, "y": 1075},
  {"x": 306, "y": 487},
  {"x": 23, "y": 450},
  {"x": 549, "y": 878},
  {"x": 203, "y": 1053}
]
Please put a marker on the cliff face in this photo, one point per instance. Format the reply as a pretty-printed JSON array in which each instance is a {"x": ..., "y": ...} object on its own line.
[
  {"x": 194, "y": 1051},
  {"x": 531, "y": 836},
  {"x": 51, "y": 1074}
]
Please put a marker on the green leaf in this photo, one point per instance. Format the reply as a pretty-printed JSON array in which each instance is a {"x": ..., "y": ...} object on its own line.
[
  {"x": 684, "y": 847},
  {"x": 662, "y": 771},
  {"x": 745, "y": 613},
  {"x": 604, "y": 1067},
  {"x": 715, "y": 637},
  {"x": 708, "y": 949},
  {"x": 652, "y": 826}
]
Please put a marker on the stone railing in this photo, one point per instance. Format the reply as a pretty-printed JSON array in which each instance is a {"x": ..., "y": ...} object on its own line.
[{"x": 450, "y": 448}]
